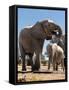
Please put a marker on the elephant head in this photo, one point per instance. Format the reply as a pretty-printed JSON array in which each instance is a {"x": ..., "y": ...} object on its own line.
[{"x": 51, "y": 29}]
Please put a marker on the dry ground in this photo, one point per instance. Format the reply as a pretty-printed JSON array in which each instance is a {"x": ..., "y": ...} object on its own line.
[{"x": 44, "y": 74}]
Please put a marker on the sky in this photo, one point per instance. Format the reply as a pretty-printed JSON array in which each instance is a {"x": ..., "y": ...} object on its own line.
[{"x": 27, "y": 17}]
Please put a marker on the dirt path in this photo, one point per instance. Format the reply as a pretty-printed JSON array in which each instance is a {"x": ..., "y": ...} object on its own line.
[{"x": 44, "y": 74}]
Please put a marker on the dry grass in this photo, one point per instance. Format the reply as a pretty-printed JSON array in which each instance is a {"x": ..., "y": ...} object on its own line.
[{"x": 54, "y": 75}]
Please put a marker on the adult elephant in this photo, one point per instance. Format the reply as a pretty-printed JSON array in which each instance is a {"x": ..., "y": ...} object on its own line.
[{"x": 31, "y": 40}]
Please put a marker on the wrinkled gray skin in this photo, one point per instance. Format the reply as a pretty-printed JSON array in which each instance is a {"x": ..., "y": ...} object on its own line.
[
  {"x": 60, "y": 42},
  {"x": 31, "y": 40},
  {"x": 56, "y": 56}
]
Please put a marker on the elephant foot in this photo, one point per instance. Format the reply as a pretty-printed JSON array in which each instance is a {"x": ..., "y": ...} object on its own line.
[
  {"x": 48, "y": 68},
  {"x": 35, "y": 68},
  {"x": 56, "y": 69},
  {"x": 24, "y": 69}
]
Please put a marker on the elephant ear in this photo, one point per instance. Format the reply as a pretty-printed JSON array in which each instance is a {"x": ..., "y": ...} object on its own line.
[{"x": 45, "y": 23}]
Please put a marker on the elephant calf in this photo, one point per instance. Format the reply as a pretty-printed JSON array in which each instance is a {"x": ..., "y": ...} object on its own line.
[{"x": 56, "y": 56}]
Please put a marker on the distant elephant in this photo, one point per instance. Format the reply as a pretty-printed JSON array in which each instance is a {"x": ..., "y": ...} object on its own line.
[{"x": 31, "y": 40}]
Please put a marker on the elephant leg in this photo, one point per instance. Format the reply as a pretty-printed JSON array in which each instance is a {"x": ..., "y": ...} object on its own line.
[
  {"x": 37, "y": 62},
  {"x": 62, "y": 64},
  {"x": 65, "y": 63},
  {"x": 54, "y": 62},
  {"x": 31, "y": 62},
  {"x": 37, "y": 50},
  {"x": 23, "y": 63},
  {"x": 56, "y": 67},
  {"x": 23, "y": 57},
  {"x": 49, "y": 64}
]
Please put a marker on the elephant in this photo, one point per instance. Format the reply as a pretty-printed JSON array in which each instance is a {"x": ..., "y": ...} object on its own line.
[
  {"x": 56, "y": 56},
  {"x": 31, "y": 40},
  {"x": 61, "y": 42}
]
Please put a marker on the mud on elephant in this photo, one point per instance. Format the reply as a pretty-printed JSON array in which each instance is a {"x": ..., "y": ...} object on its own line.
[{"x": 31, "y": 40}]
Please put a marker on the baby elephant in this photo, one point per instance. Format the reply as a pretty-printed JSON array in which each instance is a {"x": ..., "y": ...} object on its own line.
[{"x": 56, "y": 56}]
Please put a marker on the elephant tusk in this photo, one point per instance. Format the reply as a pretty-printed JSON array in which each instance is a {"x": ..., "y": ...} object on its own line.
[{"x": 55, "y": 30}]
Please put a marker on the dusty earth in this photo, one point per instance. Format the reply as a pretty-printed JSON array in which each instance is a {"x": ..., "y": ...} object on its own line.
[{"x": 43, "y": 74}]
